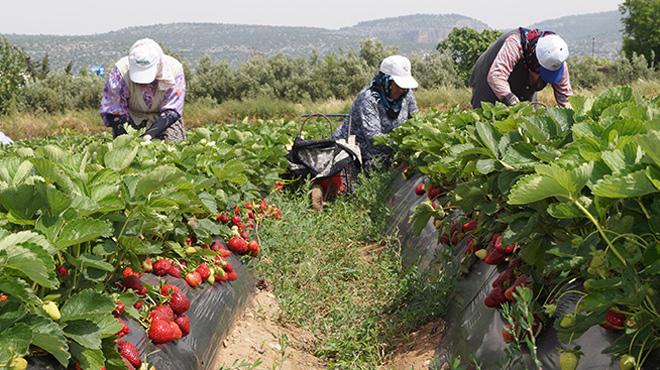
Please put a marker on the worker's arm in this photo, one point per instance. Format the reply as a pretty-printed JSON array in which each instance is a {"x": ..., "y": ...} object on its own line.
[
  {"x": 114, "y": 103},
  {"x": 171, "y": 110},
  {"x": 412, "y": 103},
  {"x": 563, "y": 90},
  {"x": 504, "y": 63},
  {"x": 165, "y": 120}
]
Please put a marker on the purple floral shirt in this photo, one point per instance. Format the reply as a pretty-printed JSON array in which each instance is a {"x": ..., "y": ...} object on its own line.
[{"x": 115, "y": 95}]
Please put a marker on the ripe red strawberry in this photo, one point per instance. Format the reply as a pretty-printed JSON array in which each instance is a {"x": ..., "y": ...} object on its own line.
[
  {"x": 419, "y": 189},
  {"x": 514, "y": 264},
  {"x": 203, "y": 271},
  {"x": 216, "y": 245},
  {"x": 238, "y": 245},
  {"x": 503, "y": 279},
  {"x": 250, "y": 214},
  {"x": 434, "y": 191},
  {"x": 277, "y": 214},
  {"x": 495, "y": 298},
  {"x": 176, "y": 330},
  {"x": 494, "y": 257},
  {"x": 453, "y": 228},
  {"x": 183, "y": 322},
  {"x": 147, "y": 265},
  {"x": 253, "y": 248},
  {"x": 444, "y": 239},
  {"x": 174, "y": 271},
  {"x": 222, "y": 218},
  {"x": 162, "y": 266},
  {"x": 232, "y": 275},
  {"x": 614, "y": 320},
  {"x": 497, "y": 243},
  {"x": 128, "y": 271},
  {"x": 124, "y": 328},
  {"x": 469, "y": 226},
  {"x": 168, "y": 289},
  {"x": 188, "y": 241},
  {"x": 263, "y": 205},
  {"x": 245, "y": 235},
  {"x": 119, "y": 308},
  {"x": 3, "y": 297},
  {"x": 227, "y": 266},
  {"x": 62, "y": 271},
  {"x": 179, "y": 302},
  {"x": 161, "y": 330},
  {"x": 471, "y": 246},
  {"x": 248, "y": 205},
  {"x": 224, "y": 252},
  {"x": 510, "y": 248},
  {"x": 193, "y": 279},
  {"x": 161, "y": 312},
  {"x": 133, "y": 282},
  {"x": 522, "y": 280},
  {"x": 220, "y": 274},
  {"x": 138, "y": 305},
  {"x": 128, "y": 351},
  {"x": 236, "y": 220}
]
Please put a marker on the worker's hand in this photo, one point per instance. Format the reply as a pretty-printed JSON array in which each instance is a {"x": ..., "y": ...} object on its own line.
[{"x": 511, "y": 99}]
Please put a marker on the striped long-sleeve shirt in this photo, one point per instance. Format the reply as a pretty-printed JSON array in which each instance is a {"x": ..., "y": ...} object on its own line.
[{"x": 505, "y": 61}]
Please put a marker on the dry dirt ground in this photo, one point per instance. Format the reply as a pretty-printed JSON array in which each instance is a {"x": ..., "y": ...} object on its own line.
[
  {"x": 415, "y": 350},
  {"x": 259, "y": 341}
]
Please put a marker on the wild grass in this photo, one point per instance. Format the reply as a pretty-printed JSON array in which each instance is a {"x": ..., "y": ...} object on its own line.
[{"x": 337, "y": 275}]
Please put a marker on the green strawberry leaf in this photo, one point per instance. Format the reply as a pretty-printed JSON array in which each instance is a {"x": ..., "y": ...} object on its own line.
[
  {"x": 32, "y": 261},
  {"x": 84, "y": 332},
  {"x": 157, "y": 179},
  {"x": 19, "y": 289},
  {"x": 232, "y": 171},
  {"x": 14, "y": 341},
  {"x": 23, "y": 202},
  {"x": 421, "y": 216},
  {"x": 649, "y": 143},
  {"x": 89, "y": 305},
  {"x": 48, "y": 336},
  {"x": 121, "y": 157},
  {"x": 89, "y": 358},
  {"x": 550, "y": 181},
  {"x": 635, "y": 184},
  {"x": 81, "y": 230},
  {"x": 489, "y": 137},
  {"x": 11, "y": 312}
]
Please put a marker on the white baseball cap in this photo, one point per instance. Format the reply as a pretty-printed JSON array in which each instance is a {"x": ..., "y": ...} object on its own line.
[
  {"x": 399, "y": 68},
  {"x": 551, "y": 52},
  {"x": 144, "y": 60}
]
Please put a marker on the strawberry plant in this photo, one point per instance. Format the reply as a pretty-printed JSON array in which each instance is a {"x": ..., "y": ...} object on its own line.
[
  {"x": 82, "y": 218},
  {"x": 572, "y": 193}
]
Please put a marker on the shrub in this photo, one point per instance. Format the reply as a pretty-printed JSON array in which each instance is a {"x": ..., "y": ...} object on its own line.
[{"x": 12, "y": 72}]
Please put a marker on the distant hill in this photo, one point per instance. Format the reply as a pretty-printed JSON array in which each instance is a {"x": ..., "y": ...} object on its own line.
[
  {"x": 412, "y": 32},
  {"x": 602, "y": 30},
  {"x": 235, "y": 43}
]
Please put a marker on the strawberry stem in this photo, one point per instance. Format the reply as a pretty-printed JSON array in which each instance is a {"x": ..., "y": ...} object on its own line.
[{"x": 601, "y": 231}]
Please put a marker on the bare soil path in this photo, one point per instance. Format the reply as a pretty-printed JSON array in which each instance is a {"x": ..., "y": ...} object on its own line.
[{"x": 260, "y": 341}]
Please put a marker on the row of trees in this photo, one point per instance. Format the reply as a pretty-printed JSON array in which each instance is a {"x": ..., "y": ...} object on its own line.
[{"x": 31, "y": 86}]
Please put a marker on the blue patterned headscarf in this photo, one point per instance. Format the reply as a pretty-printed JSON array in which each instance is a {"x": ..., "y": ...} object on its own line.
[{"x": 381, "y": 86}]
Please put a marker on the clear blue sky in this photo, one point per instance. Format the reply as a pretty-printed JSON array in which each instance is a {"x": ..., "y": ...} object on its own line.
[{"x": 94, "y": 16}]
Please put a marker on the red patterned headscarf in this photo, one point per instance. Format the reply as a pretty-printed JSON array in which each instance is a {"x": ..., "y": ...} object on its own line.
[{"x": 528, "y": 40}]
